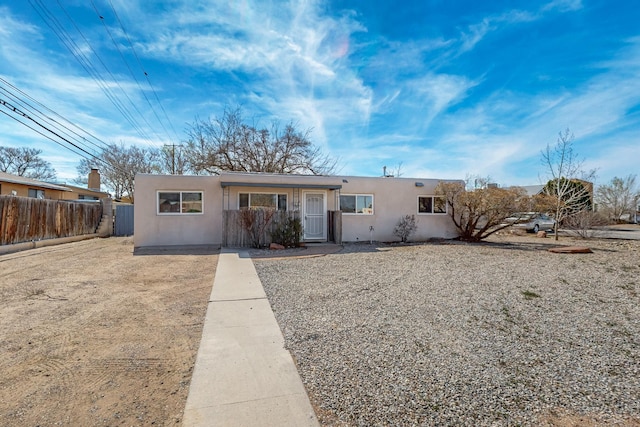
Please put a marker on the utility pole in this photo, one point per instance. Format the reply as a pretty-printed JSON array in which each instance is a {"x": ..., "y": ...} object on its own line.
[{"x": 173, "y": 156}]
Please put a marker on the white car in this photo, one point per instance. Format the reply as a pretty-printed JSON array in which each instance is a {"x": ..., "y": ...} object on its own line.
[{"x": 532, "y": 222}]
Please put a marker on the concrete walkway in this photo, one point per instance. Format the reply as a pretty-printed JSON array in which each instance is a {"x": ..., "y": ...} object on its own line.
[{"x": 243, "y": 375}]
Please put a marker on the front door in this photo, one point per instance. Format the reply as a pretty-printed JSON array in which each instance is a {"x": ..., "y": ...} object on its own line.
[{"x": 314, "y": 216}]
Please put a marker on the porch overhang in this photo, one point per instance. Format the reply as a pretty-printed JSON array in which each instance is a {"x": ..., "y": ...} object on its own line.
[{"x": 225, "y": 184}]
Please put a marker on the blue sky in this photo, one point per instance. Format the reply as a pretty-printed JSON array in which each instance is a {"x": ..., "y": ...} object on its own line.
[{"x": 445, "y": 89}]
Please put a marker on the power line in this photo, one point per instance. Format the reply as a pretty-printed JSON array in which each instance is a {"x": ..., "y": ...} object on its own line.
[
  {"x": 135, "y": 54},
  {"x": 124, "y": 60},
  {"x": 86, "y": 63},
  {"x": 51, "y": 119},
  {"x": 19, "y": 105},
  {"x": 21, "y": 113},
  {"x": 52, "y": 22},
  {"x": 37, "y": 131},
  {"x": 76, "y": 149}
]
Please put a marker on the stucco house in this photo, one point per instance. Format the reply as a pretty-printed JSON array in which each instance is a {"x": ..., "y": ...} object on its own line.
[{"x": 188, "y": 210}]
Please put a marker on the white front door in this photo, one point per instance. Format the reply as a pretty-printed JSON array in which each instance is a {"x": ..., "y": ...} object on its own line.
[{"x": 314, "y": 216}]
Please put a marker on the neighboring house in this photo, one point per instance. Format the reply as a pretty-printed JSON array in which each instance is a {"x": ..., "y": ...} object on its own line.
[
  {"x": 14, "y": 185},
  {"x": 80, "y": 193},
  {"x": 188, "y": 210},
  {"x": 533, "y": 190},
  {"x": 92, "y": 192}
]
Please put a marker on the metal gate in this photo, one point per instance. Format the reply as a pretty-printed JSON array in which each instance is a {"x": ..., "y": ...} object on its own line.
[{"x": 123, "y": 221}]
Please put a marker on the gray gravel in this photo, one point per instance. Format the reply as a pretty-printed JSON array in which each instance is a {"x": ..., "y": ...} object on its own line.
[{"x": 458, "y": 334}]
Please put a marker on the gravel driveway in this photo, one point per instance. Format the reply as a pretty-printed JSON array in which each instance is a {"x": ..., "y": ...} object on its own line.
[{"x": 501, "y": 333}]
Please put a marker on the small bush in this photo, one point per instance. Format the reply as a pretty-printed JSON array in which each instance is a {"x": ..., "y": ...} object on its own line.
[
  {"x": 255, "y": 222},
  {"x": 584, "y": 224},
  {"x": 287, "y": 232},
  {"x": 406, "y": 227}
]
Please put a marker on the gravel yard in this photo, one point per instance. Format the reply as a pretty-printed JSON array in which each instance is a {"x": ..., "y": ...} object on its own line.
[{"x": 497, "y": 333}]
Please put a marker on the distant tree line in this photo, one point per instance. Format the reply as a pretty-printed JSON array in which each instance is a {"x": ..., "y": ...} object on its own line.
[{"x": 214, "y": 145}]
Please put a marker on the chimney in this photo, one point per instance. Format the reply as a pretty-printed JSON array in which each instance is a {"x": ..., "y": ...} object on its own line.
[{"x": 94, "y": 180}]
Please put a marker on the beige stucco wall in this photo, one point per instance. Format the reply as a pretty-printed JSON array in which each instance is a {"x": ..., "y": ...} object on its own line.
[
  {"x": 393, "y": 198},
  {"x": 152, "y": 229}
]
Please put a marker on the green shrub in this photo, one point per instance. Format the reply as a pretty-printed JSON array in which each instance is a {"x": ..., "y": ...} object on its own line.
[{"x": 287, "y": 232}]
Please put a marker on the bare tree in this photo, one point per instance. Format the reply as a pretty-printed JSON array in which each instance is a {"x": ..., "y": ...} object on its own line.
[
  {"x": 479, "y": 212},
  {"x": 229, "y": 144},
  {"x": 255, "y": 223},
  {"x": 173, "y": 160},
  {"x": 569, "y": 185},
  {"x": 619, "y": 197},
  {"x": 406, "y": 227},
  {"x": 118, "y": 167},
  {"x": 26, "y": 162}
]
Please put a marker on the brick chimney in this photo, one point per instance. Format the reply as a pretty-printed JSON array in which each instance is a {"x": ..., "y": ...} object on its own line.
[{"x": 94, "y": 180}]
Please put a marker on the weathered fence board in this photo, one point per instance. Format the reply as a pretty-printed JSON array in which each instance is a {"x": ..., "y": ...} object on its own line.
[
  {"x": 334, "y": 219},
  {"x": 234, "y": 234},
  {"x": 24, "y": 219}
]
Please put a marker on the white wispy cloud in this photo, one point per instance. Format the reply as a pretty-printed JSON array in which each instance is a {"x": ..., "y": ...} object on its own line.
[
  {"x": 509, "y": 127},
  {"x": 297, "y": 57},
  {"x": 562, "y": 6},
  {"x": 477, "y": 32}
]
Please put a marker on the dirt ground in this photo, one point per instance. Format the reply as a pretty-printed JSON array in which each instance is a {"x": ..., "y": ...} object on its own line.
[{"x": 95, "y": 335}]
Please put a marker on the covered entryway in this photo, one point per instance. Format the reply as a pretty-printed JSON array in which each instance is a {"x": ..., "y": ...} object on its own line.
[
  {"x": 299, "y": 199},
  {"x": 314, "y": 216}
]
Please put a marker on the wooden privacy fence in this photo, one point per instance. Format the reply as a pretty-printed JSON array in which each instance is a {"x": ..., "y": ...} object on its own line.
[
  {"x": 24, "y": 219},
  {"x": 234, "y": 234}
]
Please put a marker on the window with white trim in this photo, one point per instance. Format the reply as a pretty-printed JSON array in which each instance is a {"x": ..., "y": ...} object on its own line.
[
  {"x": 432, "y": 205},
  {"x": 180, "y": 202},
  {"x": 262, "y": 200},
  {"x": 358, "y": 204}
]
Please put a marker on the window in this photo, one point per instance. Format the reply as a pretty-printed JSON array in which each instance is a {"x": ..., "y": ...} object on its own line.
[
  {"x": 361, "y": 204},
  {"x": 38, "y": 194},
  {"x": 180, "y": 202},
  {"x": 262, "y": 200},
  {"x": 432, "y": 205}
]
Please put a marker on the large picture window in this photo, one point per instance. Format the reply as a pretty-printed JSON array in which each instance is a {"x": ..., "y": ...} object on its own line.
[
  {"x": 432, "y": 205},
  {"x": 262, "y": 200},
  {"x": 180, "y": 202},
  {"x": 361, "y": 204}
]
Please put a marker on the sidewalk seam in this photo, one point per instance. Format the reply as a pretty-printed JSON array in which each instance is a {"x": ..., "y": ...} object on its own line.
[{"x": 238, "y": 299}]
